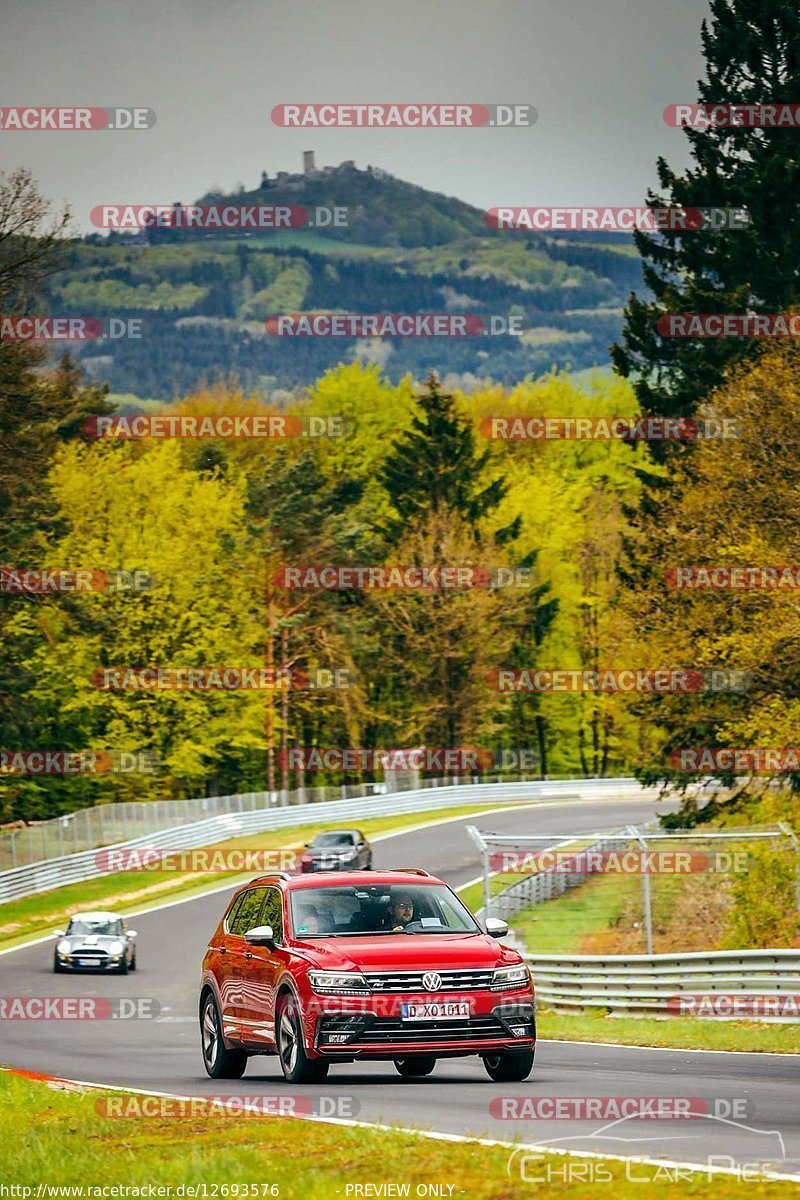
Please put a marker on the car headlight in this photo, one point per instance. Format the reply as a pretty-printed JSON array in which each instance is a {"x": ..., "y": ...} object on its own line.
[
  {"x": 63, "y": 946},
  {"x": 511, "y": 977},
  {"x": 351, "y": 983},
  {"x": 116, "y": 948}
]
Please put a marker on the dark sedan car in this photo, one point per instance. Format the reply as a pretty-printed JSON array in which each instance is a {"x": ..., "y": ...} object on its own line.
[
  {"x": 95, "y": 941},
  {"x": 337, "y": 850}
]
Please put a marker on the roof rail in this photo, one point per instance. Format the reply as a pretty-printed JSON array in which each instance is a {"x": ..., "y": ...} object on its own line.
[
  {"x": 410, "y": 871},
  {"x": 275, "y": 875}
]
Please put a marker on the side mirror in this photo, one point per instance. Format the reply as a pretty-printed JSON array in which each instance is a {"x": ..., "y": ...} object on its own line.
[
  {"x": 495, "y": 927},
  {"x": 58, "y": 933},
  {"x": 131, "y": 933},
  {"x": 262, "y": 935}
]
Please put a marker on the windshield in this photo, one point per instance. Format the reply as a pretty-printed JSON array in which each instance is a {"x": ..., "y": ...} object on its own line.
[
  {"x": 80, "y": 925},
  {"x": 333, "y": 839},
  {"x": 352, "y": 910}
]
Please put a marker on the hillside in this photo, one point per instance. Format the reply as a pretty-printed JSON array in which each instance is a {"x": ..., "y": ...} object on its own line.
[{"x": 202, "y": 298}]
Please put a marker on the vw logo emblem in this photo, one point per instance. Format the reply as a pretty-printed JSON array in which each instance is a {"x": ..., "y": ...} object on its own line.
[{"x": 432, "y": 981}]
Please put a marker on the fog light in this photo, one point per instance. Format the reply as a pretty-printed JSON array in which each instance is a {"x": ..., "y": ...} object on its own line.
[{"x": 338, "y": 1031}]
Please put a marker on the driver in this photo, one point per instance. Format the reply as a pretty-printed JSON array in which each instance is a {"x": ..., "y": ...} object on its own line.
[
  {"x": 401, "y": 912},
  {"x": 308, "y": 920}
]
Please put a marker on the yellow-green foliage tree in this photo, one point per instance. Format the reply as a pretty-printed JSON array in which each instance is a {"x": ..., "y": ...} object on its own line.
[{"x": 570, "y": 495}]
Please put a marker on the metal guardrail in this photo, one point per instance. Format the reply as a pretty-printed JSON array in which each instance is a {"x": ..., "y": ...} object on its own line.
[
  {"x": 548, "y": 885},
  {"x": 75, "y": 868},
  {"x": 109, "y": 824},
  {"x": 658, "y": 983}
]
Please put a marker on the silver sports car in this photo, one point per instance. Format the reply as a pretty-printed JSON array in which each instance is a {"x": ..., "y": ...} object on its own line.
[{"x": 95, "y": 941}]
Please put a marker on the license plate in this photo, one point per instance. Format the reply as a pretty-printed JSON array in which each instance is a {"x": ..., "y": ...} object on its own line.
[
  {"x": 435, "y": 1010},
  {"x": 87, "y": 962}
]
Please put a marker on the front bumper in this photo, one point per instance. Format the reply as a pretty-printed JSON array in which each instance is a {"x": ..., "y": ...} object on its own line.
[
  {"x": 375, "y": 1028},
  {"x": 84, "y": 962}
]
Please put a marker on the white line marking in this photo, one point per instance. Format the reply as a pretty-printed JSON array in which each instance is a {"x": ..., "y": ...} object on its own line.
[{"x": 671, "y": 1049}]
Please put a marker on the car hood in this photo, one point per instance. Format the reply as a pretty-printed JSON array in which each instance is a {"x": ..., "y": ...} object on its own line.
[
  {"x": 93, "y": 941},
  {"x": 409, "y": 952}
]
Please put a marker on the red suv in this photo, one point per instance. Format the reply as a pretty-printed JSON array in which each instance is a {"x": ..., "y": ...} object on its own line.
[{"x": 339, "y": 968}]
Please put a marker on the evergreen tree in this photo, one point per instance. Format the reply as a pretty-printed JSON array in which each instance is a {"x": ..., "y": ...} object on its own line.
[
  {"x": 752, "y": 52},
  {"x": 434, "y": 467}
]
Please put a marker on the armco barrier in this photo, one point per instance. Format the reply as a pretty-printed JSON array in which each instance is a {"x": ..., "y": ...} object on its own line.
[
  {"x": 549, "y": 885},
  {"x": 642, "y": 984},
  {"x": 75, "y": 868}
]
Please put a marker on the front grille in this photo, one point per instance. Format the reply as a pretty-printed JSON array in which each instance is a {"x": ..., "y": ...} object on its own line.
[
  {"x": 471, "y": 1029},
  {"x": 411, "y": 981},
  {"x": 100, "y": 955}
]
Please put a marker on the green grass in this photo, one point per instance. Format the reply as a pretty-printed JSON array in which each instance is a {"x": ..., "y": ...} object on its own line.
[
  {"x": 46, "y": 911},
  {"x": 557, "y": 926},
  {"x": 687, "y": 1033},
  {"x": 59, "y": 1139}
]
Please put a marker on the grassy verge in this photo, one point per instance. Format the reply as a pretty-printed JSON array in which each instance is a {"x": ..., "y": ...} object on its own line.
[
  {"x": 25, "y": 918},
  {"x": 59, "y": 1139},
  {"x": 605, "y": 915},
  {"x": 685, "y": 1033}
]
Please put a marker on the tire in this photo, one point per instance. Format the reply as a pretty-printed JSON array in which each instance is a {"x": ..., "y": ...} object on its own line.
[
  {"x": 509, "y": 1068},
  {"x": 57, "y": 967},
  {"x": 122, "y": 969},
  {"x": 415, "y": 1068},
  {"x": 297, "y": 1067},
  {"x": 219, "y": 1062},
  {"x": 133, "y": 962}
]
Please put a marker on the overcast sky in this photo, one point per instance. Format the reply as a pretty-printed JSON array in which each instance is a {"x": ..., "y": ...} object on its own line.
[{"x": 599, "y": 72}]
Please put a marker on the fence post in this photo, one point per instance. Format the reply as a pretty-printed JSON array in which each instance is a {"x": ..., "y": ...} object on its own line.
[
  {"x": 486, "y": 886},
  {"x": 648, "y": 914},
  {"x": 787, "y": 829}
]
